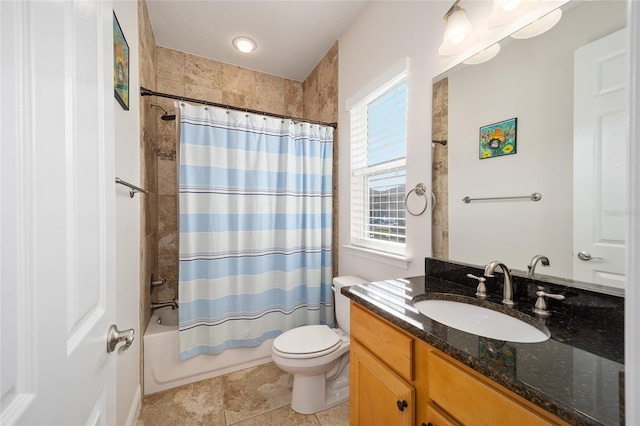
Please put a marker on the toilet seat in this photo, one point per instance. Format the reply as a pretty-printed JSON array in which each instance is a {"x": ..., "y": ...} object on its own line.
[{"x": 310, "y": 341}]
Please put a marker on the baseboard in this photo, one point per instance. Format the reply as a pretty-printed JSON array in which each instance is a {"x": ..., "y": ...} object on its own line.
[{"x": 134, "y": 410}]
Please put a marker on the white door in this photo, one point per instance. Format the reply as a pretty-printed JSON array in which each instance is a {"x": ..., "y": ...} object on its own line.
[
  {"x": 56, "y": 213},
  {"x": 600, "y": 159}
]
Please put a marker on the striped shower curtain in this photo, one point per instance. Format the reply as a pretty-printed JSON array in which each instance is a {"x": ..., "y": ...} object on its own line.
[{"x": 255, "y": 203}]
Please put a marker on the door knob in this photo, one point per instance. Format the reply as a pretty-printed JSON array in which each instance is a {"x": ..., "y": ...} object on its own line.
[
  {"x": 586, "y": 256},
  {"x": 402, "y": 405},
  {"x": 114, "y": 337}
]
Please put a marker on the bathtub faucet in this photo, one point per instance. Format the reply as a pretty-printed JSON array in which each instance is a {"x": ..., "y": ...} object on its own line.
[{"x": 173, "y": 303}]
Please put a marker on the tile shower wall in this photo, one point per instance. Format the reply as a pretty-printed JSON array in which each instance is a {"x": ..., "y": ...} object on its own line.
[
  {"x": 320, "y": 94},
  {"x": 440, "y": 171},
  {"x": 148, "y": 169},
  {"x": 192, "y": 76}
]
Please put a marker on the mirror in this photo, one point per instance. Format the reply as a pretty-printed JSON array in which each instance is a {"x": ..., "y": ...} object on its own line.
[{"x": 577, "y": 164}]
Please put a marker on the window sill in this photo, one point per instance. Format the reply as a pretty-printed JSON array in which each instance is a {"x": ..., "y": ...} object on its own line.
[{"x": 390, "y": 259}]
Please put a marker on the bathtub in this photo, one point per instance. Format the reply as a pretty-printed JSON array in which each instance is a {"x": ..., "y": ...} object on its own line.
[{"x": 163, "y": 368}]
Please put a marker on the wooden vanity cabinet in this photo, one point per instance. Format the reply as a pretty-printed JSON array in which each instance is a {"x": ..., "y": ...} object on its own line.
[
  {"x": 380, "y": 397},
  {"x": 381, "y": 392},
  {"x": 397, "y": 379}
]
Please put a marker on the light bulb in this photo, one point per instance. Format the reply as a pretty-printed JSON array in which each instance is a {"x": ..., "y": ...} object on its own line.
[
  {"x": 506, "y": 11},
  {"x": 457, "y": 33},
  {"x": 458, "y": 38},
  {"x": 509, "y": 5}
]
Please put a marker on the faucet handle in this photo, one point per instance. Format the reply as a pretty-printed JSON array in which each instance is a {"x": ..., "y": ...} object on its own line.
[
  {"x": 481, "y": 291},
  {"x": 541, "y": 293},
  {"x": 540, "y": 307}
]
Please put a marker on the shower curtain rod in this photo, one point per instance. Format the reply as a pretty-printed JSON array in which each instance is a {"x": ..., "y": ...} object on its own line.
[{"x": 147, "y": 92}]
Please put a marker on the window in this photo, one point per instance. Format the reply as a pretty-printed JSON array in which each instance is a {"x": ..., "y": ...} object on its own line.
[{"x": 378, "y": 167}]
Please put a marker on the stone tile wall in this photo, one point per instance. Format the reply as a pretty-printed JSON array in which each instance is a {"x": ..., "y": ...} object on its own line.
[
  {"x": 440, "y": 170},
  {"x": 320, "y": 95},
  {"x": 148, "y": 170}
]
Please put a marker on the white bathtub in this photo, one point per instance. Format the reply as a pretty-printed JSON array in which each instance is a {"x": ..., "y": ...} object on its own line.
[{"x": 163, "y": 368}]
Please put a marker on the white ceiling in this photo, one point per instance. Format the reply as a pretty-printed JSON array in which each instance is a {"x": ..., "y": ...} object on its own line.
[{"x": 292, "y": 36}]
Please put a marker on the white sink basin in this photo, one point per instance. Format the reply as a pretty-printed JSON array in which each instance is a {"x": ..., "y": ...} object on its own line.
[{"x": 481, "y": 321}]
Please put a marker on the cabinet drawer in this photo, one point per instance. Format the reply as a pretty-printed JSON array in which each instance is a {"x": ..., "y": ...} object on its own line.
[
  {"x": 474, "y": 402},
  {"x": 389, "y": 344}
]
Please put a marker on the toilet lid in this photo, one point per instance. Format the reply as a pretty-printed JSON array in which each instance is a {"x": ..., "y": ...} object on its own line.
[{"x": 307, "y": 341}]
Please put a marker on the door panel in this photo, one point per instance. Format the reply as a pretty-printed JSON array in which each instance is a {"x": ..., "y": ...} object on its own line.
[
  {"x": 57, "y": 212},
  {"x": 600, "y": 166}
]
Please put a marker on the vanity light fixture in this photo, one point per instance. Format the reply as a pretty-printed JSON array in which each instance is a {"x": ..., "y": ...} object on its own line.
[
  {"x": 244, "y": 44},
  {"x": 484, "y": 55},
  {"x": 505, "y": 11},
  {"x": 508, "y": 5},
  {"x": 540, "y": 26},
  {"x": 458, "y": 33}
]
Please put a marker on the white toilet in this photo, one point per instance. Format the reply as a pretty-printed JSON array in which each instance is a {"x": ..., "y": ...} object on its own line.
[{"x": 318, "y": 357}]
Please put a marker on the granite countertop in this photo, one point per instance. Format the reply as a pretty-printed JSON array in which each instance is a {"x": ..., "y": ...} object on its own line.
[{"x": 577, "y": 374}]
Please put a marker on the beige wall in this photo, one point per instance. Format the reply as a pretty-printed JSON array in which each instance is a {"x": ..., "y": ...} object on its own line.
[
  {"x": 183, "y": 74},
  {"x": 128, "y": 225}
]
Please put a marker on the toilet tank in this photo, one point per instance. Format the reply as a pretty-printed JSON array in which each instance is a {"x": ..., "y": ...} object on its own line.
[{"x": 342, "y": 302}]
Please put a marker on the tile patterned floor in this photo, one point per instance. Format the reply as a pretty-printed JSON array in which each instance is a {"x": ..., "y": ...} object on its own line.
[{"x": 258, "y": 396}]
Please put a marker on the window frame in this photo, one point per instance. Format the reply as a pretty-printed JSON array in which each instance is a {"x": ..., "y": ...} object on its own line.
[{"x": 360, "y": 223}]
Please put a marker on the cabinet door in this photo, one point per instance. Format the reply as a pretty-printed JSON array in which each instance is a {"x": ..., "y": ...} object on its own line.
[
  {"x": 378, "y": 395},
  {"x": 437, "y": 418}
]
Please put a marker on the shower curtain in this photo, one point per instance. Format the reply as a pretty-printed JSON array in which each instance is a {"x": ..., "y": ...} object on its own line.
[{"x": 255, "y": 204}]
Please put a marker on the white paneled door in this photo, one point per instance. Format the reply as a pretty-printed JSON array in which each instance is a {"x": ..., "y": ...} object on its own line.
[
  {"x": 600, "y": 161},
  {"x": 56, "y": 213}
]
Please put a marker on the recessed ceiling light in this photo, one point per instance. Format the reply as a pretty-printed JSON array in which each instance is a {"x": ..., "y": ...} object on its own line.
[{"x": 244, "y": 44}]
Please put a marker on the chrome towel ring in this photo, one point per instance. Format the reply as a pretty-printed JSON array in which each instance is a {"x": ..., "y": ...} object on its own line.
[{"x": 420, "y": 190}]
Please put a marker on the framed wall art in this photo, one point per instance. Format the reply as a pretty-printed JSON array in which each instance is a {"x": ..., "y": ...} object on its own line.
[
  {"x": 498, "y": 139},
  {"x": 120, "y": 65}
]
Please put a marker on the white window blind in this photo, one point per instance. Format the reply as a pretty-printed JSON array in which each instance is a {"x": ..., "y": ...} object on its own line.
[{"x": 378, "y": 168}]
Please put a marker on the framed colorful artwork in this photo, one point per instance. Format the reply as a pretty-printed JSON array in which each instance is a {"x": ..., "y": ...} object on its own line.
[
  {"x": 498, "y": 139},
  {"x": 120, "y": 65}
]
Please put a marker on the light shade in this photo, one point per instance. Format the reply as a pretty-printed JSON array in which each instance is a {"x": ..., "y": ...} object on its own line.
[
  {"x": 508, "y": 5},
  {"x": 244, "y": 44},
  {"x": 506, "y": 11},
  {"x": 458, "y": 34},
  {"x": 540, "y": 26},
  {"x": 484, "y": 55}
]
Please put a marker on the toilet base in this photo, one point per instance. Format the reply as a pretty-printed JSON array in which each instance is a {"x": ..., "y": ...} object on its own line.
[{"x": 307, "y": 392}]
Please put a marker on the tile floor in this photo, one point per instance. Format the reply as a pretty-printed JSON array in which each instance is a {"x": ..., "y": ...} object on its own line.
[{"x": 258, "y": 396}]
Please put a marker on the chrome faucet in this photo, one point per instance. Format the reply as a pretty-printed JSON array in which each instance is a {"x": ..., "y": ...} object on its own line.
[
  {"x": 531, "y": 267},
  {"x": 157, "y": 305},
  {"x": 507, "y": 293},
  {"x": 541, "y": 305}
]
